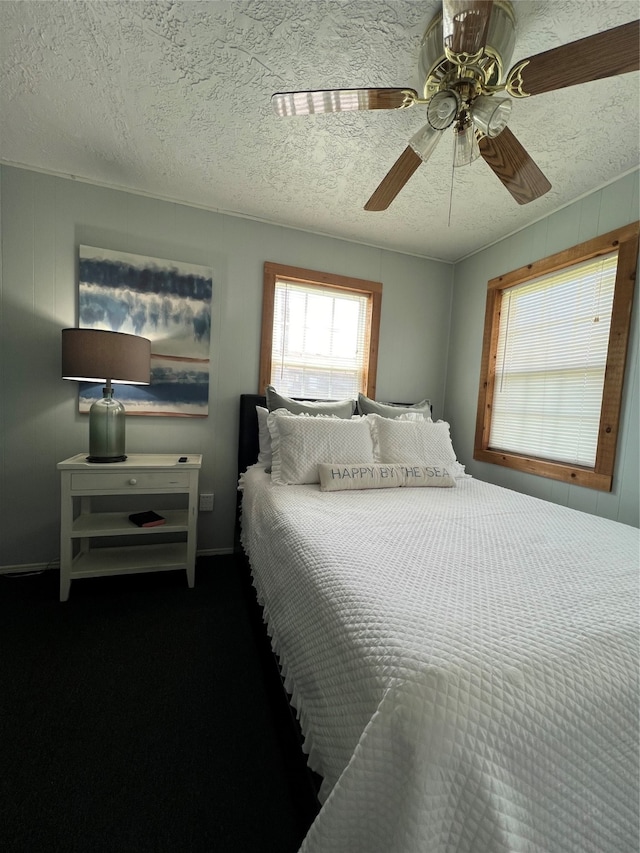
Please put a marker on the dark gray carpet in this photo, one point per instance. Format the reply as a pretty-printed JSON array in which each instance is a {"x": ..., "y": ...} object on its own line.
[{"x": 144, "y": 716}]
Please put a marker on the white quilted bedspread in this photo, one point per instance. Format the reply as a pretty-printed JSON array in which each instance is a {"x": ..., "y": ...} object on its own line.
[{"x": 464, "y": 663}]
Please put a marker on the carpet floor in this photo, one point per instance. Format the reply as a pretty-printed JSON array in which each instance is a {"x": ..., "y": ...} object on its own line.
[{"x": 143, "y": 716}]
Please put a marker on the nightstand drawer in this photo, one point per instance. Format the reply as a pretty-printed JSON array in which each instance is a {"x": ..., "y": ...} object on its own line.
[{"x": 129, "y": 481}]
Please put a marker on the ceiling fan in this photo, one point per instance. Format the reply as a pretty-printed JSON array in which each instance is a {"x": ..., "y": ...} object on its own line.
[{"x": 463, "y": 56}]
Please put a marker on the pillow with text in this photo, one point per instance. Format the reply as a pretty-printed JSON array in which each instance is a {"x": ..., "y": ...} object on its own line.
[{"x": 379, "y": 475}]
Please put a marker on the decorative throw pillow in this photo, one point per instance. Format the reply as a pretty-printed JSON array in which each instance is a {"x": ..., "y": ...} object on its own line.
[
  {"x": 423, "y": 441},
  {"x": 339, "y": 477},
  {"x": 367, "y": 406},
  {"x": 339, "y": 408},
  {"x": 298, "y": 444}
]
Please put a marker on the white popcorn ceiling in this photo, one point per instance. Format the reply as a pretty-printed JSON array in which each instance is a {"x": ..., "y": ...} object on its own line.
[{"x": 171, "y": 99}]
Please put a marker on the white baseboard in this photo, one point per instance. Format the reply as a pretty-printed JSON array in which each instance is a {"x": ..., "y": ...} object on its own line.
[
  {"x": 28, "y": 568},
  {"x": 212, "y": 552}
]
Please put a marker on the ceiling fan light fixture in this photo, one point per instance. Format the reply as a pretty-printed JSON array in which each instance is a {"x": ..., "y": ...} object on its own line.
[
  {"x": 463, "y": 55},
  {"x": 424, "y": 142},
  {"x": 466, "y": 148},
  {"x": 443, "y": 109},
  {"x": 491, "y": 114}
]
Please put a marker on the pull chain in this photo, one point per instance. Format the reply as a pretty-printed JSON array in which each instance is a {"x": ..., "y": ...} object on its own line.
[{"x": 453, "y": 167}]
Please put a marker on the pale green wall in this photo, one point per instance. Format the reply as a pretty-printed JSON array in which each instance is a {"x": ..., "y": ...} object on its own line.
[
  {"x": 612, "y": 207},
  {"x": 45, "y": 219}
]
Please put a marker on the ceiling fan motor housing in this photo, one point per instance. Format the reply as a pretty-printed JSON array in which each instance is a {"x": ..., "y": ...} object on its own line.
[{"x": 435, "y": 69}]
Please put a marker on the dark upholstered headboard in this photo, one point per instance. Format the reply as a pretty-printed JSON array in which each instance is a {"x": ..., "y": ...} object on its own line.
[{"x": 248, "y": 430}]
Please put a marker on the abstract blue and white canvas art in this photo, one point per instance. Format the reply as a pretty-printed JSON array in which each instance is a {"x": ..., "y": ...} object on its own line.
[{"x": 168, "y": 302}]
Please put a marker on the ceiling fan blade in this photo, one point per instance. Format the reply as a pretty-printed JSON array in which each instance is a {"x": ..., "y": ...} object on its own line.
[
  {"x": 394, "y": 180},
  {"x": 421, "y": 146},
  {"x": 606, "y": 54},
  {"x": 515, "y": 168},
  {"x": 340, "y": 100},
  {"x": 465, "y": 24}
]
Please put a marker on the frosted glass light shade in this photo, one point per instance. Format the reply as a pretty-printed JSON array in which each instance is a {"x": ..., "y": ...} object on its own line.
[
  {"x": 442, "y": 109},
  {"x": 424, "y": 141},
  {"x": 491, "y": 114},
  {"x": 466, "y": 146}
]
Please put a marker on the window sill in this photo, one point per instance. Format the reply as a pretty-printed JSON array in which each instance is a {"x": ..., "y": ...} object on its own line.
[{"x": 574, "y": 474}]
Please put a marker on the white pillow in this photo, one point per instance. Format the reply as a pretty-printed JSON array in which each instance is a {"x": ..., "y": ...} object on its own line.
[
  {"x": 425, "y": 442},
  {"x": 299, "y": 444},
  {"x": 335, "y": 477},
  {"x": 367, "y": 406},
  {"x": 339, "y": 408},
  {"x": 410, "y": 416},
  {"x": 264, "y": 436}
]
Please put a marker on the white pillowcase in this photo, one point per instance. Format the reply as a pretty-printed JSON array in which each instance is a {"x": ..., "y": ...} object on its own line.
[
  {"x": 425, "y": 442},
  {"x": 264, "y": 436},
  {"x": 339, "y": 408},
  {"x": 367, "y": 406},
  {"x": 299, "y": 444},
  {"x": 379, "y": 475}
]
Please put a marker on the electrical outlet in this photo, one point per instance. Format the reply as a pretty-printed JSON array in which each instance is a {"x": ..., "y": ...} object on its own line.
[{"x": 206, "y": 502}]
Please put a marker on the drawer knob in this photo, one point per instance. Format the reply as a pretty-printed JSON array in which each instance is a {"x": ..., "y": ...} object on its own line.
[{"x": 132, "y": 481}]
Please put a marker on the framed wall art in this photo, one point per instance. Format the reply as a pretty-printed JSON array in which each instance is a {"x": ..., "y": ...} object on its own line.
[{"x": 168, "y": 302}]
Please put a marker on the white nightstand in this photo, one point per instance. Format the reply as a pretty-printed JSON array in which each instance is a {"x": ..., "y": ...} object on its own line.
[{"x": 140, "y": 474}]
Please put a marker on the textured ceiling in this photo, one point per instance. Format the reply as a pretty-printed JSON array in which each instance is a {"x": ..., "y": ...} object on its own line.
[{"x": 172, "y": 99}]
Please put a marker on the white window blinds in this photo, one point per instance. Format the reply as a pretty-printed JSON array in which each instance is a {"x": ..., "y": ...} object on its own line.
[
  {"x": 551, "y": 358},
  {"x": 320, "y": 341}
]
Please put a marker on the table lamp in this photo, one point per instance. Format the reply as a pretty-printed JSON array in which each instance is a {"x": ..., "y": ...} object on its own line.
[{"x": 94, "y": 355}]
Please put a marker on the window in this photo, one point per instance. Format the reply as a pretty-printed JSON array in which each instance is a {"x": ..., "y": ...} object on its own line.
[
  {"x": 555, "y": 343},
  {"x": 319, "y": 333}
]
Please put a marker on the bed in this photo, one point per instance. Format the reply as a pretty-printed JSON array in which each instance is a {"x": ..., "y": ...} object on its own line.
[{"x": 463, "y": 661}]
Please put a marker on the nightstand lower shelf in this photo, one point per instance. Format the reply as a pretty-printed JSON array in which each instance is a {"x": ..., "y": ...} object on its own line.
[
  {"x": 123, "y": 560},
  {"x": 118, "y": 524}
]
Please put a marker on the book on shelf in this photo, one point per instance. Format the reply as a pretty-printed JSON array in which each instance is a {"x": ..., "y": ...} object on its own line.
[{"x": 147, "y": 519}]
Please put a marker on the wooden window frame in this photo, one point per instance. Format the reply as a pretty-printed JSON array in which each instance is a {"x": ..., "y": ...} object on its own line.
[
  {"x": 372, "y": 289},
  {"x": 600, "y": 476}
]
